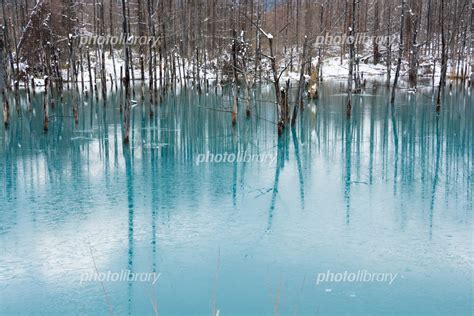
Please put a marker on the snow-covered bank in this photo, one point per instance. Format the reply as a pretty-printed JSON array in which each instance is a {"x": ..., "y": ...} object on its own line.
[{"x": 333, "y": 68}]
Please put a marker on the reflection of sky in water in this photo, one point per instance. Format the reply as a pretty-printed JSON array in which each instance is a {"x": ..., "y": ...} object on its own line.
[{"x": 384, "y": 191}]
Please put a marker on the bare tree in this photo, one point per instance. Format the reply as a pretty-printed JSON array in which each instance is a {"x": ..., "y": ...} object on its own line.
[
  {"x": 442, "y": 79},
  {"x": 301, "y": 84},
  {"x": 351, "y": 60},
  {"x": 126, "y": 79},
  {"x": 400, "y": 53},
  {"x": 6, "y": 106}
]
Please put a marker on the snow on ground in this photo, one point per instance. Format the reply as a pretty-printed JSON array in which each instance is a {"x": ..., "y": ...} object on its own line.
[{"x": 332, "y": 68}]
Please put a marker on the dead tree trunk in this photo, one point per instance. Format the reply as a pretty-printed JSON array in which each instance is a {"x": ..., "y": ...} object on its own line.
[
  {"x": 6, "y": 42},
  {"x": 245, "y": 75},
  {"x": 91, "y": 88},
  {"x": 6, "y": 110},
  {"x": 81, "y": 67},
  {"x": 389, "y": 43},
  {"x": 6, "y": 106},
  {"x": 285, "y": 102},
  {"x": 150, "y": 56},
  {"x": 376, "y": 32},
  {"x": 276, "y": 84},
  {"x": 257, "y": 44},
  {"x": 45, "y": 105},
  {"x": 413, "y": 72},
  {"x": 234, "y": 71},
  {"x": 301, "y": 84},
  {"x": 444, "y": 62},
  {"x": 351, "y": 61},
  {"x": 111, "y": 30},
  {"x": 357, "y": 78},
  {"x": 72, "y": 62},
  {"x": 400, "y": 53},
  {"x": 103, "y": 77},
  {"x": 126, "y": 80}
]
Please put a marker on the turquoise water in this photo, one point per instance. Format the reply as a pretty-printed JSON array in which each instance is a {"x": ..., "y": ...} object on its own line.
[{"x": 387, "y": 191}]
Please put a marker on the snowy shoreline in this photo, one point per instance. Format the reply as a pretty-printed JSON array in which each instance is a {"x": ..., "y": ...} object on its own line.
[{"x": 332, "y": 69}]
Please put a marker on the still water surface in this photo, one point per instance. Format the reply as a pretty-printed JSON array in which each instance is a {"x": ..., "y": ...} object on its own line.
[{"x": 389, "y": 190}]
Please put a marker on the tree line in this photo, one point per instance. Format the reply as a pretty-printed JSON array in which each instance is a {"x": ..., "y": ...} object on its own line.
[{"x": 241, "y": 42}]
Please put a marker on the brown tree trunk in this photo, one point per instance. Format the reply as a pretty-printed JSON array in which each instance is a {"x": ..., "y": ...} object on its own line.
[
  {"x": 234, "y": 69},
  {"x": 126, "y": 80},
  {"x": 400, "y": 53},
  {"x": 3, "y": 79},
  {"x": 45, "y": 105},
  {"x": 351, "y": 61},
  {"x": 413, "y": 72},
  {"x": 301, "y": 84},
  {"x": 442, "y": 79},
  {"x": 276, "y": 84},
  {"x": 376, "y": 32}
]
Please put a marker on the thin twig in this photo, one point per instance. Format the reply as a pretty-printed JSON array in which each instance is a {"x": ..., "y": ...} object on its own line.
[{"x": 101, "y": 283}]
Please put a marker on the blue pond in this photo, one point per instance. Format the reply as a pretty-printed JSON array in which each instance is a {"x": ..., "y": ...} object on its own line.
[{"x": 367, "y": 215}]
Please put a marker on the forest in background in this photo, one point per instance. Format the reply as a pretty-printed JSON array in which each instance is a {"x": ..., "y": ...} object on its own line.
[{"x": 238, "y": 42}]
